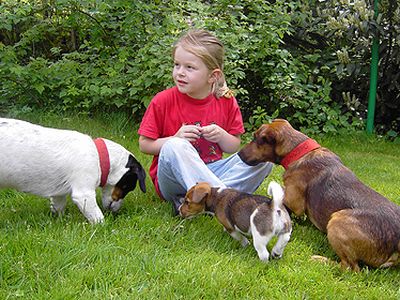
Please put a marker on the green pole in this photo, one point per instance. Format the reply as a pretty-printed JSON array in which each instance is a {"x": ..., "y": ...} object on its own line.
[{"x": 373, "y": 78}]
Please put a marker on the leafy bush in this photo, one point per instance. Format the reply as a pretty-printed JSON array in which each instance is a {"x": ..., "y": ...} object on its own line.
[
  {"x": 341, "y": 32},
  {"x": 86, "y": 56}
]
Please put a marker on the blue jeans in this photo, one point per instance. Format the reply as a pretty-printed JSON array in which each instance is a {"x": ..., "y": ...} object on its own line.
[{"x": 180, "y": 167}]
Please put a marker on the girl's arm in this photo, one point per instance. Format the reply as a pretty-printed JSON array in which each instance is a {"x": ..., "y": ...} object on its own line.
[
  {"x": 151, "y": 146},
  {"x": 230, "y": 143}
]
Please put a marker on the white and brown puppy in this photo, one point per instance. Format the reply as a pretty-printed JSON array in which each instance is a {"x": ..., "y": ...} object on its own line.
[
  {"x": 241, "y": 213},
  {"x": 55, "y": 163}
]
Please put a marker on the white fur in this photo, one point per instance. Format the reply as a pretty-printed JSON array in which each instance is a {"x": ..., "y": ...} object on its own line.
[
  {"x": 280, "y": 223},
  {"x": 220, "y": 189},
  {"x": 276, "y": 192},
  {"x": 281, "y": 227},
  {"x": 55, "y": 163}
]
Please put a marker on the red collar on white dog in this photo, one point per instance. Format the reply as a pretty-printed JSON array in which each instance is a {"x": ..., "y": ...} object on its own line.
[
  {"x": 104, "y": 160},
  {"x": 299, "y": 151}
]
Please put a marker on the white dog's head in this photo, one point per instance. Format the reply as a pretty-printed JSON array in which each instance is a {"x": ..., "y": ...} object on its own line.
[{"x": 114, "y": 194}]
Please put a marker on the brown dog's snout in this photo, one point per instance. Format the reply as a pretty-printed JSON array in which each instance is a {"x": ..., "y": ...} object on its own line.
[
  {"x": 245, "y": 157},
  {"x": 251, "y": 155},
  {"x": 263, "y": 146},
  {"x": 183, "y": 209}
]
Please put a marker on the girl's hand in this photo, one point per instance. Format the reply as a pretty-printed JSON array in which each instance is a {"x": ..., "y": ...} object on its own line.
[
  {"x": 212, "y": 133},
  {"x": 188, "y": 132}
]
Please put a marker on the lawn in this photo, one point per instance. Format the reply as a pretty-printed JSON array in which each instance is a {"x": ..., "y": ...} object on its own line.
[{"x": 144, "y": 252}]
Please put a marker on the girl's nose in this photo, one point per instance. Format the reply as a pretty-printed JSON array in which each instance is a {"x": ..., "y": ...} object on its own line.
[{"x": 181, "y": 73}]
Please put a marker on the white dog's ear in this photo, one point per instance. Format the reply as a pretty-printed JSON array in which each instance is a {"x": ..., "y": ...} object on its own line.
[
  {"x": 201, "y": 191},
  {"x": 137, "y": 169}
]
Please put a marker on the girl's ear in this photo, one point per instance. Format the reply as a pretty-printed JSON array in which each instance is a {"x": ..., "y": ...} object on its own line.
[{"x": 215, "y": 75}]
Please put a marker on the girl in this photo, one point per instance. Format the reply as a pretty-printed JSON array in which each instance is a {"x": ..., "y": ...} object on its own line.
[{"x": 189, "y": 126}]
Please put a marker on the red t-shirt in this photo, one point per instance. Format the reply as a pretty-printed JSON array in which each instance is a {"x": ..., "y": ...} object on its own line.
[{"x": 170, "y": 109}]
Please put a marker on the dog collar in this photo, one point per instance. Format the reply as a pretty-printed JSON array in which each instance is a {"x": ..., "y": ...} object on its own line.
[
  {"x": 104, "y": 160},
  {"x": 299, "y": 151}
]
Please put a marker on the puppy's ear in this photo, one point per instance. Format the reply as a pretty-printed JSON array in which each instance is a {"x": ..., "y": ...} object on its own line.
[{"x": 201, "y": 191}]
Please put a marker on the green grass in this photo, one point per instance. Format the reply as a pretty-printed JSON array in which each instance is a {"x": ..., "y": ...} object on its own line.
[{"x": 145, "y": 253}]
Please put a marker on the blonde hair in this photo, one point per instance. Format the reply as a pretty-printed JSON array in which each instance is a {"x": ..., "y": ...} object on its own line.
[{"x": 211, "y": 51}]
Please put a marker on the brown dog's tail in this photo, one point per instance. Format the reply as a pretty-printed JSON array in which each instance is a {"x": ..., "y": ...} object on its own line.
[{"x": 275, "y": 190}]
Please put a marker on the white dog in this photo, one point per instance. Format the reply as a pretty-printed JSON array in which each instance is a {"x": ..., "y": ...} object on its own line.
[{"x": 55, "y": 163}]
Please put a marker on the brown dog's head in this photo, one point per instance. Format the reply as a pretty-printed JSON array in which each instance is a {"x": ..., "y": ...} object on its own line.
[
  {"x": 271, "y": 142},
  {"x": 195, "y": 200}
]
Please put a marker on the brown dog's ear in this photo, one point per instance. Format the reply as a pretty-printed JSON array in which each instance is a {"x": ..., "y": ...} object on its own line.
[
  {"x": 271, "y": 137},
  {"x": 201, "y": 190},
  {"x": 267, "y": 135}
]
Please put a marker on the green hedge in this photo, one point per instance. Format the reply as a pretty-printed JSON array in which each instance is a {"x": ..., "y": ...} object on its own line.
[{"x": 106, "y": 55}]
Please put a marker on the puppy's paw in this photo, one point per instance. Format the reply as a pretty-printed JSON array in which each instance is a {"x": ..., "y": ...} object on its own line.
[
  {"x": 264, "y": 257},
  {"x": 244, "y": 242},
  {"x": 320, "y": 258},
  {"x": 276, "y": 255}
]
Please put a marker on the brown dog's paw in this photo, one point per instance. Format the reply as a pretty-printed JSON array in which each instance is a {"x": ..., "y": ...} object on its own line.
[{"x": 321, "y": 259}]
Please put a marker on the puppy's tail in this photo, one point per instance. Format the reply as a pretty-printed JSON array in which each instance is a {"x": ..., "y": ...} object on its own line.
[{"x": 275, "y": 190}]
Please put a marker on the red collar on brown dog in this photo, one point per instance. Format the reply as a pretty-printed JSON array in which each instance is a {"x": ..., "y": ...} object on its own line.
[{"x": 299, "y": 151}]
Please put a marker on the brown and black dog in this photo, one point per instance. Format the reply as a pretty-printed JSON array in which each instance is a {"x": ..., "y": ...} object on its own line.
[
  {"x": 362, "y": 225},
  {"x": 241, "y": 213}
]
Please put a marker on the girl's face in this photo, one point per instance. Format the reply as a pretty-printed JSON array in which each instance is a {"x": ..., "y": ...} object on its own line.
[{"x": 191, "y": 75}]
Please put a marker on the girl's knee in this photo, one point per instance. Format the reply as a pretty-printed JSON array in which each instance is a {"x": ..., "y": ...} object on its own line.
[{"x": 174, "y": 145}]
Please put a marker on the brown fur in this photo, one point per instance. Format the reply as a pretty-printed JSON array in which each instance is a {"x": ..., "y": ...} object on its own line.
[
  {"x": 229, "y": 206},
  {"x": 362, "y": 225},
  {"x": 233, "y": 210}
]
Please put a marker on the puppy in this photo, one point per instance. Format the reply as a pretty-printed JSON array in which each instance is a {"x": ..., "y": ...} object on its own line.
[
  {"x": 54, "y": 163},
  {"x": 362, "y": 225},
  {"x": 242, "y": 213}
]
